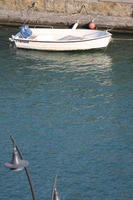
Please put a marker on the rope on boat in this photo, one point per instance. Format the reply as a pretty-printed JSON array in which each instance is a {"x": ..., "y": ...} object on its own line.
[{"x": 123, "y": 39}]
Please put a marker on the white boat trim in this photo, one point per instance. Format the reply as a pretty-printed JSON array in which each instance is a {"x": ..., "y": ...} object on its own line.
[{"x": 52, "y": 41}]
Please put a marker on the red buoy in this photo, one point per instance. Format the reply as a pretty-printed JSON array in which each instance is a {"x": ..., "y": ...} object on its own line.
[{"x": 92, "y": 25}]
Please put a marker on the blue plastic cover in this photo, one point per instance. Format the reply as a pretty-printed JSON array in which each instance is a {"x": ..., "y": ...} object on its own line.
[{"x": 25, "y": 31}]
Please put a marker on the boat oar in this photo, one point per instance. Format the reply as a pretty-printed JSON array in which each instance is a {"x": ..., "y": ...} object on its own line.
[{"x": 75, "y": 25}]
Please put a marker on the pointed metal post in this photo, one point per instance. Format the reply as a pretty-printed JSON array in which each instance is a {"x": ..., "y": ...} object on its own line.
[
  {"x": 55, "y": 195},
  {"x": 16, "y": 163},
  {"x": 20, "y": 164}
]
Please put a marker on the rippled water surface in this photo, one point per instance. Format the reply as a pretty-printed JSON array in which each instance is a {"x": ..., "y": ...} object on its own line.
[{"x": 72, "y": 115}]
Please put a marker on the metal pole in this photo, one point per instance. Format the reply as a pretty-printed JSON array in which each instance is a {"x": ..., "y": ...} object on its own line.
[{"x": 26, "y": 169}]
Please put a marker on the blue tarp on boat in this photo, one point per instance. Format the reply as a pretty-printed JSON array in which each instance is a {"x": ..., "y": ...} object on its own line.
[{"x": 25, "y": 31}]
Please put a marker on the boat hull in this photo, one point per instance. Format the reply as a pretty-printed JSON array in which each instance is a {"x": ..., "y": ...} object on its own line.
[{"x": 64, "y": 46}]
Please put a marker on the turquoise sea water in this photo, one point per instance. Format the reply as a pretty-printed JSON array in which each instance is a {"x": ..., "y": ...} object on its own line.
[{"x": 71, "y": 115}]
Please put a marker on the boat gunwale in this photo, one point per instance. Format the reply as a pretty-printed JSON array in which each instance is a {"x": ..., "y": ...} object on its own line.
[{"x": 59, "y": 41}]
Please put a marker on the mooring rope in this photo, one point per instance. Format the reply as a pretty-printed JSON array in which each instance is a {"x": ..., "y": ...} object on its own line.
[{"x": 123, "y": 39}]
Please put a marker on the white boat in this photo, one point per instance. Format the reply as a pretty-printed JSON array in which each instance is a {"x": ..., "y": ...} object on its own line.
[{"x": 51, "y": 39}]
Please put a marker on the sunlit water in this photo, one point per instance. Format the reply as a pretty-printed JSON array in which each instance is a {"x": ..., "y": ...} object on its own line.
[{"x": 71, "y": 115}]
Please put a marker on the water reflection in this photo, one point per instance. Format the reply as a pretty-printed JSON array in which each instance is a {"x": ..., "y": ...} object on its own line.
[{"x": 65, "y": 61}]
